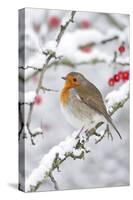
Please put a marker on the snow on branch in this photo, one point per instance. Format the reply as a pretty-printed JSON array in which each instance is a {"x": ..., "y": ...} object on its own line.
[
  {"x": 71, "y": 45},
  {"x": 117, "y": 98},
  {"x": 94, "y": 58},
  {"x": 74, "y": 146},
  {"x": 87, "y": 38},
  {"x": 64, "y": 25}
]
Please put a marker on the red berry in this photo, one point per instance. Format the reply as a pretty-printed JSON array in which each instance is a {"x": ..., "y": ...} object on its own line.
[
  {"x": 84, "y": 24},
  {"x": 121, "y": 49},
  {"x": 86, "y": 49},
  {"x": 120, "y": 74},
  {"x": 111, "y": 82},
  {"x": 116, "y": 78},
  {"x": 125, "y": 75},
  {"x": 53, "y": 21},
  {"x": 38, "y": 100}
]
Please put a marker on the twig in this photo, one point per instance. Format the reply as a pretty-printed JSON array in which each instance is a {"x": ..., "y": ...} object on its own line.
[
  {"x": 109, "y": 40},
  {"x": 107, "y": 131},
  {"x": 63, "y": 27},
  {"x": 32, "y": 135},
  {"x": 69, "y": 63},
  {"x": 102, "y": 42},
  {"x": 115, "y": 57},
  {"x": 44, "y": 89},
  {"x": 54, "y": 181},
  {"x": 31, "y": 67},
  {"x": 24, "y": 103}
]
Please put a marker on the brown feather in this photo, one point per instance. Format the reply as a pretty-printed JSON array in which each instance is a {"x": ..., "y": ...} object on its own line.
[{"x": 92, "y": 97}]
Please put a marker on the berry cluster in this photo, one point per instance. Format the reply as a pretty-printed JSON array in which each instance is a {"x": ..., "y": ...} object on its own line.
[{"x": 121, "y": 75}]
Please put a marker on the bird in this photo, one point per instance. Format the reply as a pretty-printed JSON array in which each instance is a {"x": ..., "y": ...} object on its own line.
[{"x": 82, "y": 103}]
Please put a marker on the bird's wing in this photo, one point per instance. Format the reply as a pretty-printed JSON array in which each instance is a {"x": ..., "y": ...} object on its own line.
[
  {"x": 92, "y": 97},
  {"x": 94, "y": 100}
]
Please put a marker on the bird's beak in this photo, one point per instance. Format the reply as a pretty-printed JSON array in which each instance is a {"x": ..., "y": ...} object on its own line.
[{"x": 64, "y": 78}]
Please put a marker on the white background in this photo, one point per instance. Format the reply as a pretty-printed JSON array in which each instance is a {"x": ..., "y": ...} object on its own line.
[{"x": 8, "y": 98}]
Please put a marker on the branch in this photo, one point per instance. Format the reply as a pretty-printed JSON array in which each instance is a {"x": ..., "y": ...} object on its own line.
[
  {"x": 74, "y": 146},
  {"x": 90, "y": 38},
  {"x": 91, "y": 60},
  {"x": 50, "y": 54},
  {"x": 63, "y": 27},
  {"x": 44, "y": 89},
  {"x": 93, "y": 57},
  {"x": 94, "y": 60},
  {"x": 102, "y": 42},
  {"x": 54, "y": 181},
  {"x": 30, "y": 67},
  {"x": 33, "y": 133}
]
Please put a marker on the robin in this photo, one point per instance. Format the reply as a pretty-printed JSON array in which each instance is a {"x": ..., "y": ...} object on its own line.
[{"x": 82, "y": 103}]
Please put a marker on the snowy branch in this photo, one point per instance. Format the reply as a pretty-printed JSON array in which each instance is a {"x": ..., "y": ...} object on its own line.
[
  {"x": 94, "y": 59},
  {"x": 73, "y": 52},
  {"x": 64, "y": 25},
  {"x": 102, "y": 42},
  {"x": 50, "y": 54},
  {"x": 74, "y": 146},
  {"x": 30, "y": 67}
]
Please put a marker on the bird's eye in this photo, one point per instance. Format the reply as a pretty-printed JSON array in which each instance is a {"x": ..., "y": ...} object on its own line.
[{"x": 74, "y": 79}]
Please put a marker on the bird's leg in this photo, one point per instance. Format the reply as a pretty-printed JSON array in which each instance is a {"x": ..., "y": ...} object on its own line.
[
  {"x": 107, "y": 131},
  {"x": 91, "y": 132},
  {"x": 99, "y": 124},
  {"x": 80, "y": 132}
]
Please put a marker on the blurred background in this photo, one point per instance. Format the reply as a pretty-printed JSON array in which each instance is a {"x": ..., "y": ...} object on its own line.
[{"x": 104, "y": 64}]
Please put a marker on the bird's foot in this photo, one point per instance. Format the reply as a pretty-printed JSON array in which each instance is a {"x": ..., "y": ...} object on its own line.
[
  {"x": 91, "y": 132},
  {"x": 80, "y": 131},
  {"x": 108, "y": 132}
]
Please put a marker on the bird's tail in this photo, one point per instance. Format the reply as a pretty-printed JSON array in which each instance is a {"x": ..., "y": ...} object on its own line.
[{"x": 110, "y": 120}]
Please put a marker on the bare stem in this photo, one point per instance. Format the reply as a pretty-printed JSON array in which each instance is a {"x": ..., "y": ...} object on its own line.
[
  {"x": 63, "y": 27},
  {"x": 54, "y": 181},
  {"x": 30, "y": 67},
  {"x": 102, "y": 42}
]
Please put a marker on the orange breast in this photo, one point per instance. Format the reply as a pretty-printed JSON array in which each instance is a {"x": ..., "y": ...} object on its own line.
[{"x": 64, "y": 96}]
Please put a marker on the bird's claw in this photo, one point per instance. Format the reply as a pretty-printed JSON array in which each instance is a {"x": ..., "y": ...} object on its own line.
[{"x": 109, "y": 134}]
